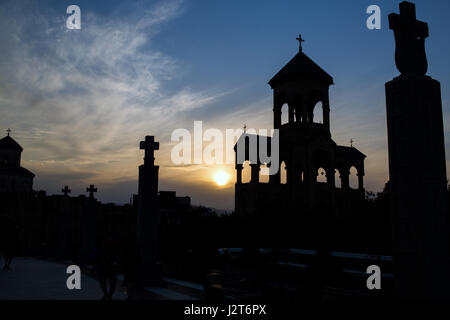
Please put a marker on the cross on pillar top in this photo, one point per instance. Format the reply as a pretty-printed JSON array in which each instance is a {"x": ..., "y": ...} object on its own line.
[
  {"x": 300, "y": 40},
  {"x": 410, "y": 35},
  {"x": 91, "y": 190},
  {"x": 8, "y": 131},
  {"x": 351, "y": 142},
  {"x": 66, "y": 191},
  {"x": 407, "y": 21},
  {"x": 149, "y": 145}
]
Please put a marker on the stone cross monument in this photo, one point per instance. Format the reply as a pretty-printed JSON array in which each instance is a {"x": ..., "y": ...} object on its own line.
[
  {"x": 148, "y": 213},
  {"x": 417, "y": 169},
  {"x": 91, "y": 190},
  {"x": 66, "y": 191},
  {"x": 90, "y": 220}
]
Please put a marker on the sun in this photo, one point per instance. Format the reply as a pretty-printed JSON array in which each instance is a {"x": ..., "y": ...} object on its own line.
[{"x": 221, "y": 178}]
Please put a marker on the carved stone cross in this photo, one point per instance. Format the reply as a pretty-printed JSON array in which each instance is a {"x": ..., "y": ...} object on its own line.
[
  {"x": 149, "y": 145},
  {"x": 91, "y": 190},
  {"x": 66, "y": 191}
]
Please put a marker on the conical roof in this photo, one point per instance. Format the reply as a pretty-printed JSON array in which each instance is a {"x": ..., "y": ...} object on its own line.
[
  {"x": 301, "y": 66},
  {"x": 8, "y": 143}
]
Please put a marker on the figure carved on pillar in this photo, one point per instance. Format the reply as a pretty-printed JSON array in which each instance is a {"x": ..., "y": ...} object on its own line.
[{"x": 410, "y": 34}]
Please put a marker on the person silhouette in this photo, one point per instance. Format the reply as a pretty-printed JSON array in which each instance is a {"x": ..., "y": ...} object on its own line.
[
  {"x": 11, "y": 245},
  {"x": 130, "y": 259},
  {"x": 108, "y": 265}
]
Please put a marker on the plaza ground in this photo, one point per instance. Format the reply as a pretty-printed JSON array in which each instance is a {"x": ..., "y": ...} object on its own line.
[{"x": 34, "y": 279}]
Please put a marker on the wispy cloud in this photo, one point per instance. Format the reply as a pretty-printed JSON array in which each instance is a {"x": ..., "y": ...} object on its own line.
[{"x": 79, "y": 100}]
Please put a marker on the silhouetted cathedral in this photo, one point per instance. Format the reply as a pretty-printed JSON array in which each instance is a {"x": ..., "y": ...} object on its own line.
[
  {"x": 306, "y": 151},
  {"x": 13, "y": 177}
]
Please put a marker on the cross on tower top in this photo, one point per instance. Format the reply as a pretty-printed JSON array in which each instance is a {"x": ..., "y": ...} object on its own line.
[
  {"x": 351, "y": 142},
  {"x": 149, "y": 145},
  {"x": 66, "y": 191},
  {"x": 8, "y": 131},
  {"x": 410, "y": 35},
  {"x": 245, "y": 128},
  {"x": 300, "y": 40},
  {"x": 91, "y": 190}
]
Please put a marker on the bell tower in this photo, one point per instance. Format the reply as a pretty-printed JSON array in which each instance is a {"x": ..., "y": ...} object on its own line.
[
  {"x": 10, "y": 150},
  {"x": 301, "y": 85},
  {"x": 304, "y": 187}
]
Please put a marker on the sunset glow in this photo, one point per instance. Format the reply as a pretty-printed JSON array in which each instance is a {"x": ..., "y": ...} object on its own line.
[{"x": 221, "y": 178}]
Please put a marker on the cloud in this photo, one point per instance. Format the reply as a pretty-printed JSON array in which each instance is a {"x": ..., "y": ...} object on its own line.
[{"x": 80, "y": 100}]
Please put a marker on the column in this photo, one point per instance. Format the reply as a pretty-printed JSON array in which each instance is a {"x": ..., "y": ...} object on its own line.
[
  {"x": 360, "y": 181},
  {"x": 275, "y": 178},
  {"x": 326, "y": 112},
  {"x": 255, "y": 173},
  {"x": 276, "y": 111},
  {"x": 330, "y": 177},
  {"x": 291, "y": 113},
  {"x": 289, "y": 172},
  {"x": 239, "y": 174},
  {"x": 345, "y": 183}
]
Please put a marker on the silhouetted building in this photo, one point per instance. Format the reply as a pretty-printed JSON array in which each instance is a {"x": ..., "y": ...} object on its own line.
[
  {"x": 65, "y": 227},
  {"x": 13, "y": 177},
  {"x": 307, "y": 152},
  {"x": 148, "y": 218}
]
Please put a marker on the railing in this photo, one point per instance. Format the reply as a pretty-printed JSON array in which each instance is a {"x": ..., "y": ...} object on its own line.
[{"x": 353, "y": 264}]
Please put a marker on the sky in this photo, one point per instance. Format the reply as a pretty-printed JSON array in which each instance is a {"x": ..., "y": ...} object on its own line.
[{"x": 79, "y": 101}]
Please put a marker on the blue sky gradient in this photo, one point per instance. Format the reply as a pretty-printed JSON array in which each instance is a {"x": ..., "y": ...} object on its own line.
[{"x": 78, "y": 101}]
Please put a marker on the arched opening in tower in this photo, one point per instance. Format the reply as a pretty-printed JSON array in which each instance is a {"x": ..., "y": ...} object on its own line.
[
  {"x": 321, "y": 175},
  {"x": 263, "y": 178},
  {"x": 284, "y": 114},
  {"x": 246, "y": 172},
  {"x": 353, "y": 178},
  {"x": 283, "y": 173},
  {"x": 337, "y": 179},
  {"x": 318, "y": 112}
]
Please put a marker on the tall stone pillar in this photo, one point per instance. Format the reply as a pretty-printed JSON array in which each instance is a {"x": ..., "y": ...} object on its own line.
[
  {"x": 416, "y": 166},
  {"x": 148, "y": 214}
]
